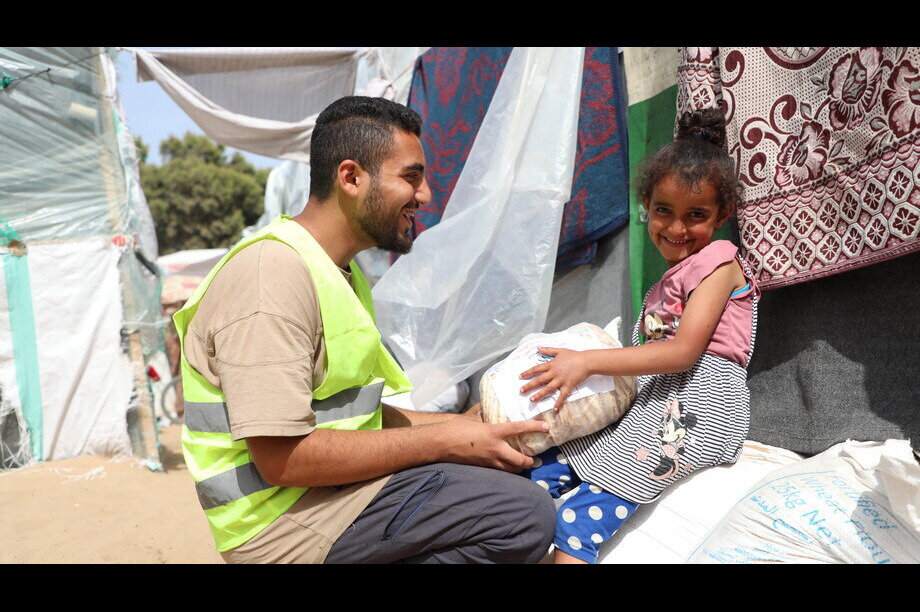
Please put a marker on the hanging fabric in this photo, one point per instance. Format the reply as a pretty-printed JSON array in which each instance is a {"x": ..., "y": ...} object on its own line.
[
  {"x": 265, "y": 100},
  {"x": 827, "y": 143}
]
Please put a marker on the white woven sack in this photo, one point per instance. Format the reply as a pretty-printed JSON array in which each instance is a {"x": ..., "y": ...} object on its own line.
[{"x": 856, "y": 502}]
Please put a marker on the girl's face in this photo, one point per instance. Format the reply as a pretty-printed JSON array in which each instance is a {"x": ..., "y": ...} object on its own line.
[{"x": 682, "y": 220}]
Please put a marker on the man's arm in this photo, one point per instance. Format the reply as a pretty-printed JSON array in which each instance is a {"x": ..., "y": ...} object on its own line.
[
  {"x": 397, "y": 417},
  {"x": 334, "y": 457}
]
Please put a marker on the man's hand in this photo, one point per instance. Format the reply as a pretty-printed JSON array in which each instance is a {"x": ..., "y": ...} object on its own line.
[
  {"x": 473, "y": 443},
  {"x": 564, "y": 372}
]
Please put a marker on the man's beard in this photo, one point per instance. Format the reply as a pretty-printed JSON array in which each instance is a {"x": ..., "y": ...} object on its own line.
[{"x": 384, "y": 232}]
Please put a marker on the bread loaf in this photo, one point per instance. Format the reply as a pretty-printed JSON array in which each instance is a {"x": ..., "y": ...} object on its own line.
[{"x": 585, "y": 412}]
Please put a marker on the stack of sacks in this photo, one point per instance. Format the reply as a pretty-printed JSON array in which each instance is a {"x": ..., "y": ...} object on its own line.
[
  {"x": 592, "y": 405},
  {"x": 857, "y": 502}
]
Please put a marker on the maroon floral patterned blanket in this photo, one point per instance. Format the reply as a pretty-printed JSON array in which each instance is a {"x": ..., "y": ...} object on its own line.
[{"x": 827, "y": 143}]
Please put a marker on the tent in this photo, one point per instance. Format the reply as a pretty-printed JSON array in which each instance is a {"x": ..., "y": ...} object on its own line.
[{"x": 79, "y": 308}]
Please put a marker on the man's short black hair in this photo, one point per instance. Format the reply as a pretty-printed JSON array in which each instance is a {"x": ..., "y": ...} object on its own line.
[{"x": 358, "y": 128}]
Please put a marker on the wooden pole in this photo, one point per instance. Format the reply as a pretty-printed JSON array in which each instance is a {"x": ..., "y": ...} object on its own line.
[{"x": 142, "y": 427}]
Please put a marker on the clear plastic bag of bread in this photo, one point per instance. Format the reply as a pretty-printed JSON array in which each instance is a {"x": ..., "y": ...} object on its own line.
[{"x": 593, "y": 405}]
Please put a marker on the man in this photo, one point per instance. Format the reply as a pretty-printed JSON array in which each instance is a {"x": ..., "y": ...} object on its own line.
[{"x": 294, "y": 457}]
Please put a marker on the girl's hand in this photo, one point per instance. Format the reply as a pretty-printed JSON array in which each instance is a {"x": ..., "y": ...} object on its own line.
[{"x": 564, "y": 372}]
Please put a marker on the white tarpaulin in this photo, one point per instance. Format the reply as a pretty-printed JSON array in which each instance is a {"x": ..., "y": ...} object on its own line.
[
  {"x": 480, "y": 280},
  {"x": 86, "y": 377},
  {"x": 265, "y": 99}
]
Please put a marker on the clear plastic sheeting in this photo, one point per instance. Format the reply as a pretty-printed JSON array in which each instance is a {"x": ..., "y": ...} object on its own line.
[
  {"x": 480, "y": 280},
  {"x": 142, "y": 310},
  {"x": 60, "y": 164},
  {"x": 374, "y": 263},
  {"x": 14, "y": 432},
  {"x": 140, "y": 220},
  {"x": 265, "y": 100}
]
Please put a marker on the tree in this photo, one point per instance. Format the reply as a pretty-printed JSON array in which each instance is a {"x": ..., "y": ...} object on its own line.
[
  {"x": 198, "y": 198},
  {"x": 142, "y": 150}
]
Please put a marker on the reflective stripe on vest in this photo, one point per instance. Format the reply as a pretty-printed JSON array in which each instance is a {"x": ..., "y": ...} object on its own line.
[
  {"x": 230, "y": 486},
  {"x": 211, "y": 417}
]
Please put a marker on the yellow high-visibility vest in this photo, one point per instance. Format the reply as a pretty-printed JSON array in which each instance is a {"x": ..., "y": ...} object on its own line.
[{"x": 238, "y": 502}]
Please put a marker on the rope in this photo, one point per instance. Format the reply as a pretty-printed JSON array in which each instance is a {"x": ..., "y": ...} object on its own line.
[{"x": 7, "y": 80}]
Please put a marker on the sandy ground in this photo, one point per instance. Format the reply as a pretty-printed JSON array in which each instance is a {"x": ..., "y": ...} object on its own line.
[{"x": 94, "y": 509}]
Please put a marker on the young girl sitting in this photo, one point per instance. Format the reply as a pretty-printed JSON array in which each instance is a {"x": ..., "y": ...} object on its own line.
[{"x": 699, "y": 320}]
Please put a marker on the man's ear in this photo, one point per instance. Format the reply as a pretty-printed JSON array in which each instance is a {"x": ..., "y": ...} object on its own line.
[{"x": 347, "y": 177}]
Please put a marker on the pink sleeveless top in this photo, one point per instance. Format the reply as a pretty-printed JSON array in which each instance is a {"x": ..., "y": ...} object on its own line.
[{"x": 665, "y": 303}]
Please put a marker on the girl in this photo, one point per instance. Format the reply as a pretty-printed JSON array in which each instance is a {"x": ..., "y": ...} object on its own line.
[{"x": 699, "y": 320}]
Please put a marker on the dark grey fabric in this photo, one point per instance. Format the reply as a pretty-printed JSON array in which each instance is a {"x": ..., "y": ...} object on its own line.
[
  {"x": 450, "y": 513},
  {"x": 595, "y": 293},
  {"x": 839, "y": 358}
]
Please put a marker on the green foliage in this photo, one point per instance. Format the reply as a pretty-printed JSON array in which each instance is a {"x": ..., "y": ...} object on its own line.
[
  {"x": 142, "y": 150},
  {"x": 198, "y": 198}
]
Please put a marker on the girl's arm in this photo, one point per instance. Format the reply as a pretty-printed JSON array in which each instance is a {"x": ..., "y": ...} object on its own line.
[{"x": 568, "y": 368}]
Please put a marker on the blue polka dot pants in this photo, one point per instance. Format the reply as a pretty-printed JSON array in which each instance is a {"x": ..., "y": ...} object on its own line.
[{"x": 586, "y": 518}]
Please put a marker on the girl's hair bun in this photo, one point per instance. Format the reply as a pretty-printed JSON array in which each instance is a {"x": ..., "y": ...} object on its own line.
[
  {"x": 698, "y": 153},
  {"x": 707, "y": 124}
]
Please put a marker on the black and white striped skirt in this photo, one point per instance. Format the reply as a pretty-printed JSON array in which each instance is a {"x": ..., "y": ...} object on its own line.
[{"x": 678, "y": 424}]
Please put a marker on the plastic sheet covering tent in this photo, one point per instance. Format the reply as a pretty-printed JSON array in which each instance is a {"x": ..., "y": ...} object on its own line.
[
  {"x": 79, "y": 307},
  {"x": 452, "y": 88}
]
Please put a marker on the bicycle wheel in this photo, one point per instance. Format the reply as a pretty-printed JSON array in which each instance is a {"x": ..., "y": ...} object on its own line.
[{"x": 168, "y": 401}]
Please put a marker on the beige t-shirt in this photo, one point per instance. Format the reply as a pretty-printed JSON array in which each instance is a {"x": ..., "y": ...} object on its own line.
[{"x": 258, "y": 337}]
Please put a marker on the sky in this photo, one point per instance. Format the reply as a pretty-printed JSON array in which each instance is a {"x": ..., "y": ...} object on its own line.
[{"x": 153, "y": 115}]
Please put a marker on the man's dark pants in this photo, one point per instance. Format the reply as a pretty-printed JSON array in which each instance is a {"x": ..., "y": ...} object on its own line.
[{"x": 451, "y": 513}]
